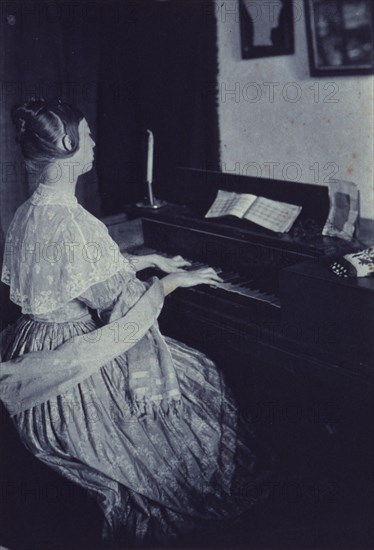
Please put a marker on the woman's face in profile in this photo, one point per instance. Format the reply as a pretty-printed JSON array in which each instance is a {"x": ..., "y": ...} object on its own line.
[{"x": 85, "y": 154}]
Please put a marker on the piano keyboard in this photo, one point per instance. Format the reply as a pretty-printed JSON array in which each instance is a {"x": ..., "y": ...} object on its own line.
[{"x": 232, "y": 282}]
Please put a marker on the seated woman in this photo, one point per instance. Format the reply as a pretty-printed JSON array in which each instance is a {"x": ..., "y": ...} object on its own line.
[{"x": 153, "y": 434}]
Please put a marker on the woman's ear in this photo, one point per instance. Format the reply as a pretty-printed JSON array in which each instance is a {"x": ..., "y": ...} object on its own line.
[{"x": 65, "y": 143}]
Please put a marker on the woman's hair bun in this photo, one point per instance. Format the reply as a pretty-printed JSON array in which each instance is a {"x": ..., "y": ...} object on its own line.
[
  {"x": 23, "y": 114},
  {"x": 40, "y": 127}
]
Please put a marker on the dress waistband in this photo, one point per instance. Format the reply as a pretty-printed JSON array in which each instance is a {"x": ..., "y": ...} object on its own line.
[{"x": 45, "y": 319}]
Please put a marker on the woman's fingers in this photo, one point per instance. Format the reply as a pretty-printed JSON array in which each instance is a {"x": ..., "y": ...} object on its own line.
[
  {"x": 205, "y": 270},
  {"x": 209, "y": 272},
  {"x": 180, "y": 259},
  {"x": 179, "y": 263},
  {"x": 209, "y": 281},
  {"x": 179, "y": 267}
]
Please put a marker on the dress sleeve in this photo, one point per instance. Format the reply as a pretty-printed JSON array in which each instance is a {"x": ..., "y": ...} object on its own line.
[
  {"x": 123, "y": 286},
  {"x": 36, "y": 377}
]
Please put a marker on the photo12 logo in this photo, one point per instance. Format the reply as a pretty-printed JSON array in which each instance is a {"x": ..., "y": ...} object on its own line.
[
  {"x": 250, "y": 91},
  {"x": 288, "y": 171}
]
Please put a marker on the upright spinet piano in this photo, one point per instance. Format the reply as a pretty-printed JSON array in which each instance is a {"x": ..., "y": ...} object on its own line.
[
  {"x": 293, "y": 340},
  {"x": 278, "y": 290}
]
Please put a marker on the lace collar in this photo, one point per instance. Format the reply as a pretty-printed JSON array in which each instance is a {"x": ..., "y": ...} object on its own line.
[{"x": 48, "y": 194}]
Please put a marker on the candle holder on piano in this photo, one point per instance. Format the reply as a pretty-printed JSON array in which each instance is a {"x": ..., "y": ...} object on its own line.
[{"x": 150, "y": 201}]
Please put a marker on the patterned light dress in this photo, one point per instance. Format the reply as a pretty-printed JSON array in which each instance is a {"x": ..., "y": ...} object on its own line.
[{"x": 157, "y": 478}]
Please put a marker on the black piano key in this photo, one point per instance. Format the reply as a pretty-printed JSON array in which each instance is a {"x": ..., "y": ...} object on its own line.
[
  {"x": 143, "y": 250},
  {"x": 245, "y": 282},
  {"x": 195, "y": 267}
]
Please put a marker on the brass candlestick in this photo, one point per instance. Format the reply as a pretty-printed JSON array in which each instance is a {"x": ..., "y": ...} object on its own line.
[{"x": 150, "y": 201}]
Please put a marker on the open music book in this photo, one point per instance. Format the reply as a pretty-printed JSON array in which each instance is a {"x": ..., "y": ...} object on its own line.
[{"x": 273, "y": 215}]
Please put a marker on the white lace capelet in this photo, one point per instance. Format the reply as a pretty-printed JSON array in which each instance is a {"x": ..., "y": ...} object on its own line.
[{"x": 55, "y": 250}]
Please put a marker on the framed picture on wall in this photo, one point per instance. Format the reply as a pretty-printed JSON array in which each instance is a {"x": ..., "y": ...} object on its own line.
[
  {"x": 266, "y": 28},
  {"x": 340, "y": 37}
]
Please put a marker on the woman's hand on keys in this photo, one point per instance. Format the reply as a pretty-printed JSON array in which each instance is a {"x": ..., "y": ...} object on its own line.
[
  {"x": 170, "y": 265},
  {"x": 186, "y": 279}
]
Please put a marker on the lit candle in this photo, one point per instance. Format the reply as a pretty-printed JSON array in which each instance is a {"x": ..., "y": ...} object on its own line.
[{"x": 150, "y": 157}]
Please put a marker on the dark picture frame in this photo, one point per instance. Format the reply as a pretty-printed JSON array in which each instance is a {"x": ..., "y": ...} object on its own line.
[
  {"x": 266, "y": 28},
  {"x": 340, "y": 35}
]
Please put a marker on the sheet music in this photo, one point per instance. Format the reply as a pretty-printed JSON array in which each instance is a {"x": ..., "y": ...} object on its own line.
[
  {"x": 273, "y": 215},
  {"x": 228, "y": 203}
]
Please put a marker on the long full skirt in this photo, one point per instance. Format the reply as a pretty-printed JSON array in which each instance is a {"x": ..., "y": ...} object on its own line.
[{"x": 158, "y": 479}]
